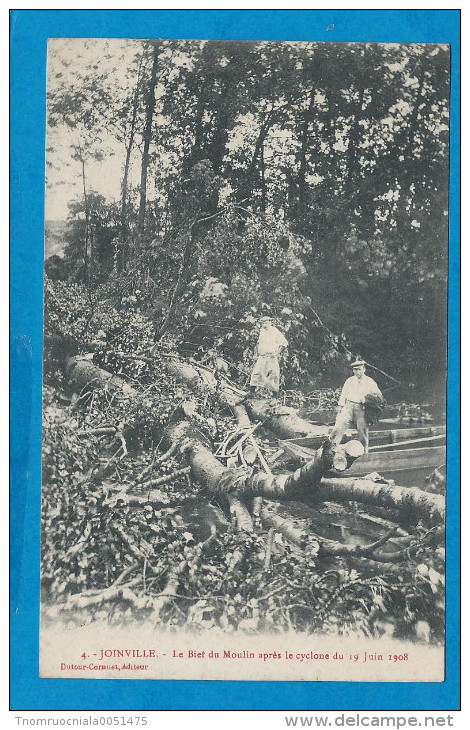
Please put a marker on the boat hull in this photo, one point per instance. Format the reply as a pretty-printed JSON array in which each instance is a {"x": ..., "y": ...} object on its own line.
[
  {"x": 385, "y": 462},
  {"x": 391, "y": 451},
  {"x": 376, "y": 438}
]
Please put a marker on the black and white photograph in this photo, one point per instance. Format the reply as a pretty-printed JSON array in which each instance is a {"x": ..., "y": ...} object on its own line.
[{"x": 245, "y": 360}]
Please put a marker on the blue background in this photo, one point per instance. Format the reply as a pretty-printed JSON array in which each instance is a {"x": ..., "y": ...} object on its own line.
[{"x": 29, "y": 32}]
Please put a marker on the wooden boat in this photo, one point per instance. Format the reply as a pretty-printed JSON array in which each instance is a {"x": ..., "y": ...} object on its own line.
[
  {"x": 327, "y": 417},
  {"x": 376, "y": 438},
  {"x": 405, "y": 449},
  {"x": 384, "y": 462}
]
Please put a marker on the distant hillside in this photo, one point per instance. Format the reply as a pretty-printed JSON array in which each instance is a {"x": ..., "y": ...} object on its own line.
[{"x": 54, "y": 238}]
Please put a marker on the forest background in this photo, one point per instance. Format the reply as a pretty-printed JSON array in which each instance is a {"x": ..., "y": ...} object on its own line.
[{"x": 195, "y": 186}]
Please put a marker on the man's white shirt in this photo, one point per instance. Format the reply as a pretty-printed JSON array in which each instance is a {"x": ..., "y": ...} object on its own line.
[{"x": 355, "y": 390}]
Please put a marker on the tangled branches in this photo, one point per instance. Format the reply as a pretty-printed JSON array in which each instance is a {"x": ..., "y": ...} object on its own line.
[{"x": 128, "y": 537}]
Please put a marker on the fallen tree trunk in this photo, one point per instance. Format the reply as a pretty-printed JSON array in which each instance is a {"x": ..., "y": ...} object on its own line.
[
  {"x": 282, "y": 421},
  {"x": 362, "y": 556},
  {"x": 304, "y": 484},
  {"x": 278, "y": 419},
  {"x": 243, "y": 482},
  {"x": 238, "y": 509},
  {"x": 83, "y": 375},
  {"x": 89, "y": 599},
  {"x": 240, "y": 514},
  {"x": 298, "y": 536}
]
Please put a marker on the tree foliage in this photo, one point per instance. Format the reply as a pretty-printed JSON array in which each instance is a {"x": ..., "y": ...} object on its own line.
[
  {"x": 306, "y": 181},
  {"x": 266, "y": 154}
]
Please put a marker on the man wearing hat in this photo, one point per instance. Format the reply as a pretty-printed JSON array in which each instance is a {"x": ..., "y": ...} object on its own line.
[
  {"x": 271, "y": 343},
  {"x": 351, "y": 404}
]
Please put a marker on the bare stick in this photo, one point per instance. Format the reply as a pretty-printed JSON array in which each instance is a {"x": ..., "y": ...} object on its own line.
[
  {"x": 122, "y": 576},
  {"x": 263, "y": 461},
  {"x": 246, "y": 435},
  {"x": 167, "y": 478},
  {"x": 143, "y": 358},
  {"x": 240, "y": 514},
  {"x": 100, "y": 431},
  {"x": 167, "y": 455},
  {"x": 369, "y": 549},
  {"x": 159, "y": 460},
  {"x": 256, "y": 512},
  {"x": 269, "y": 549},
  {"x": 139, "y": 478},
  {"x": 122, "y": 592}
]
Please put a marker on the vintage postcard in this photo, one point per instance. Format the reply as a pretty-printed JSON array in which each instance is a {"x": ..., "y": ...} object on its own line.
[{"x": 245, "y": 352}]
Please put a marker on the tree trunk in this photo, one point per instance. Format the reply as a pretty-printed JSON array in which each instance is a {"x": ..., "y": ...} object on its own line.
[
  {"x": 404, "y": 147},
  {"x": 180, "y": 284},
  {"x": 147, "y": 136},
  {"x": 125, "y": 177},
  {"x": 263, "y": 180},
  {"x": 83, "y": 375},
  {"x": 409, "y": 501},
  {"x": 361, "y": 556},
  {"x": 86, "y": 256},
  {"x": 240, "y": 514},
  {"x": 195, "y": 154},
  {"x": 243, "y": 483},
  {"x": 302, "y": 485},
  {"x": 282, "y": 421},
  {"x": 353, "y": 140},
  {"x": 247, "y": 186},
  {"x": 216, "y": 149},
  {"x": 238, "y": 510},
  {"x": 365, "y": 558},
  {"x": 288, "y": 527},
  {"x": 305, "y": 138}
]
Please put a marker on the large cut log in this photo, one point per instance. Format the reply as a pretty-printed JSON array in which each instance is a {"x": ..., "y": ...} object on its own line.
[
  {"x": 207, "y": 470},
  {"x": 83, "y": 375},
  {"x": 282, "y": 421},
  {"x": 303, "y": 485},
  {"x": 362, "y": 556},
  {"x": 409, "y": 501}
]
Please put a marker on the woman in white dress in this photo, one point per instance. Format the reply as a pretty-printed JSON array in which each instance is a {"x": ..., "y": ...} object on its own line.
[{"x": 271, "y": 344}]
